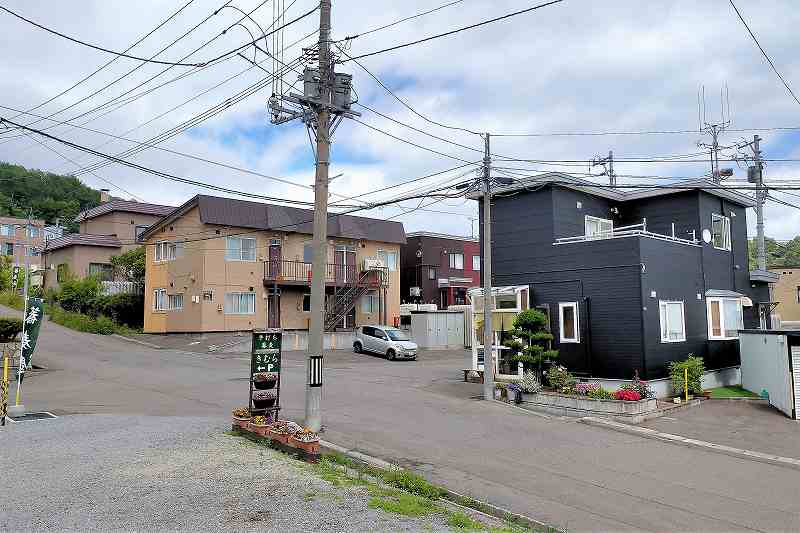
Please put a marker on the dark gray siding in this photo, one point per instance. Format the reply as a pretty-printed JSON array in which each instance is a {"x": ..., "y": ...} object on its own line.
[
  {"x": 661, "y": 212},
  {"x": 569, "y": 219}
]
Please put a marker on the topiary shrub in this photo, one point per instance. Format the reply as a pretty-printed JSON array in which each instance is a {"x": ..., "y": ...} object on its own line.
[
  {"x": 561, "y": 379},
  {"x": 9, "y": 328},
  {"x": 696, "y": 368}
]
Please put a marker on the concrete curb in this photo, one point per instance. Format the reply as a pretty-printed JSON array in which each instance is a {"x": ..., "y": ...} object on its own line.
[
  {"x": 137, "y": 341},
  {"x": 694, "y": 443},
  {"x": 451, "y": 496}
]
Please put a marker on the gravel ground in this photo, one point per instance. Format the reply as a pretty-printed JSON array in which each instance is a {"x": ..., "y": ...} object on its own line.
[{"x": 136, "y": 473}]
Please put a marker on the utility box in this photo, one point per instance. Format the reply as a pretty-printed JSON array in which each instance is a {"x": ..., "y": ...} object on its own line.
[
  {"x": 771, "y": 363},
  {"x": 438, "y": 330},
  {"x": 342, "y": 90}
]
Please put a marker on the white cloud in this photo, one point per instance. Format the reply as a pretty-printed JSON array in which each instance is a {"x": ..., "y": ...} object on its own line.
[{"x": 575, "y": 66}]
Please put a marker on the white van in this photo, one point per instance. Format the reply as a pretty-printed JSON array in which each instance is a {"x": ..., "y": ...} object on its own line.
[{"x": 391, "y": 342}]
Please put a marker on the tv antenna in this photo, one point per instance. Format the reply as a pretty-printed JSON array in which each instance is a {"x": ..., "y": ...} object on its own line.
[{"x": 714, "y": 129}]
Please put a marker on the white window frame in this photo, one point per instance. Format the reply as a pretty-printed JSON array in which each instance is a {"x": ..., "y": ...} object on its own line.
[
  {"x": 663, "y": 313},
  {"x": 175, "y": 302},
  {"x": 384, "y": 255},
  {"x": 241, "y": 248},
  {"x": 575, "y": 308},
  {"x": 722, "y": 325},
  {"x": 160, "y": 296},
  {"x": 601, "y": 233},
  {"x": 726, "y": 232},
  {"x": 476, "y": 263},
  {"x": 369, "y": 302},
  {"x": 250, "y": 296},
  {"x": 168, "y": 251},
  {"x": 454, "y": 263}
]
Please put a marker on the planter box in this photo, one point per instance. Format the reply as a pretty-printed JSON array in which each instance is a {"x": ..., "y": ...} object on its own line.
[
  {"x": 308, "y": 447},
  {"x": 283, "y": 438},
  {"x": 241, "y": 422},
  {"x": 578, "y": 406},
  {"x": 258, "y": 430}
]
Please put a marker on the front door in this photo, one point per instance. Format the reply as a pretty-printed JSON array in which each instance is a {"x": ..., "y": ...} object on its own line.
[{"x": 275, "y": 256}]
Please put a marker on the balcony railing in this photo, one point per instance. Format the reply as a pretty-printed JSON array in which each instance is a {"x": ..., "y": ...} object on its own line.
[
  {"x": 287, "y": 271},
  {"x": 635, "y": 230}
]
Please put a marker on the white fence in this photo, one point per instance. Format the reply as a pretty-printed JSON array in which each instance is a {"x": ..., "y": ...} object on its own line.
[{"x": 122, "y": 287}]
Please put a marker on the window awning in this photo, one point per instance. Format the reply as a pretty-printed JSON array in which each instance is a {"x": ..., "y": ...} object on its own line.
[{"x": 722, "y": 293}]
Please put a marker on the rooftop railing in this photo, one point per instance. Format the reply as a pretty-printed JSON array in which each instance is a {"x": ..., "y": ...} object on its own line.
[{"x": 634, "y": 230}]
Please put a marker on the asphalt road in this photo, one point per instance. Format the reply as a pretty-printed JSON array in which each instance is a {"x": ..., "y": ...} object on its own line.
[{"x": 421, "y": 415}]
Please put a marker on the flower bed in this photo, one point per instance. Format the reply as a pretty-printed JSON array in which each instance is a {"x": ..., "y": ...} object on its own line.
[
  {"x": 586, "y": 406},
  {"x": 284, "y": 435}
]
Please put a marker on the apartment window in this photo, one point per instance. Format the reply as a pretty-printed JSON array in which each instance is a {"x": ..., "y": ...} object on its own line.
[
  {"x": 431, "y": 273},
  {"x": 598, "y": 228},
  {"x": 33, "y": 231},
  {"x": 240, "y": 303},
  {"x": 389, "y": 259},
  {"x": 240, "y": 249},
  {"x": 160, "y": 300},
  {"x": 140, "y": 230},
  {"x": 476, "y": 263},
  {"x": 306, "y": 303},
  {"x": 102, "y": 271},
  {"x": 568, "y": 323},
  {"x": 721, "y": 232},
  {"x": 7, "y": 230},
  {"x": 369, "y": 302},
  {"x": 8, "y": 248},
  {"x": 724, "y": 318},
  {"x": 32, "y": 251},
  {"x": 308, "y": 252},
  {"x": 457, "y": 261},
  {"x": 168, "y": 251},
  {"x": 175, "y": 302},
  {"x": 673, "y": 322}
]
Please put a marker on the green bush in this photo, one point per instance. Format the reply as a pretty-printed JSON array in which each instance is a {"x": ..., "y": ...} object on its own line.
[
  {"x": 100, "y": 325},
  {"x": 560, "y": 378},
  {"x": 12, "y": 300},
  {"x": 696, "y": 368},
  {"x": 124, "y": 309},
  {"x": 9, "y": 328},
  {"x": 79, "y": 295},
  {"x": 601, "y": 394}
]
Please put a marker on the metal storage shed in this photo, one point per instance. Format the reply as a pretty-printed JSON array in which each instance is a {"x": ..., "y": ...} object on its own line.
[
  {"x": 438, "y": 329},
  {"x": 771, "y": 362}
]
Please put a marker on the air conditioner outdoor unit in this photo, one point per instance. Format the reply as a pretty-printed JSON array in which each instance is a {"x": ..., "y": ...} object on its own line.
[{"x": 371, "y": 263}]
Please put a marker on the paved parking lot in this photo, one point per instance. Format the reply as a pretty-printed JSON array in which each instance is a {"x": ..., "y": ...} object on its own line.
[{"x": 421, "y": 415}]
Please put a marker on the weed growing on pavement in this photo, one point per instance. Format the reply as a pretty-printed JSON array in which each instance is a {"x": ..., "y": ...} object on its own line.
[
  {"x": 404, "y": 504},
  {"x": 463, "y": 521},
  {"x": 413, "y": 483}
]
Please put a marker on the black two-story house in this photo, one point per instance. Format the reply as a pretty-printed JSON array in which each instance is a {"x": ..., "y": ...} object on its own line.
[{"x": 631, "y": 278}]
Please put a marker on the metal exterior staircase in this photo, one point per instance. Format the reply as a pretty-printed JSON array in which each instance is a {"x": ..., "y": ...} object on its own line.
[{"x": 347, "y": 299}]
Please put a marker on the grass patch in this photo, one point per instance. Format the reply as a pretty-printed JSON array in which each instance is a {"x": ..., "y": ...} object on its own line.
[
  {"x": 464, "y": 522},
  {"x": 735, "y": 391},
  {"x": 12, "y": 300},
  {"x": 405, "y": 504},
  {"x": 413, "y": 483}
]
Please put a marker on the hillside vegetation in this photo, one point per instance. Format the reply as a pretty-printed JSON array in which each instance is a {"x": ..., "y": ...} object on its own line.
[{"x": 51, "y": 196}]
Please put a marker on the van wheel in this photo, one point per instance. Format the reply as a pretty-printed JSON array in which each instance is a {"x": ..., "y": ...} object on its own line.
[
  {"x": 357, "y": 347},
  {"x": 391, "y": 355}
]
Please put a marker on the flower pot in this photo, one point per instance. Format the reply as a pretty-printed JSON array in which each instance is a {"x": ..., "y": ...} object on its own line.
[
  {"x": 265, "y": 385},
  {"x": 264, "y": 404},
  {"x": 283, "y": 438},
  {"x": 308, "y": 447},
  {"x": 258, "y": 430},
  {"x": 241, "y": 422},
  {"x": 498, "y": 394}
]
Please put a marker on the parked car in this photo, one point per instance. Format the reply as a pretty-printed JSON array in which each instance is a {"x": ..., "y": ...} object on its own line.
[{"x": 388, "y": 341}]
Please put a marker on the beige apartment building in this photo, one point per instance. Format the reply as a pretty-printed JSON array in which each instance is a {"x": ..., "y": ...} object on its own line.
[
  {"x": 112, "y": 228},
  {"x": 787, "y": 293},
  {"x": 18, "y": 239},
  {"x": 220, "y": 264}
]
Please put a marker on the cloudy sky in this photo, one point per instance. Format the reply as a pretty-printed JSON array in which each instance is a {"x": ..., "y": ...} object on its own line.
[{"x": 577, "y": 66}]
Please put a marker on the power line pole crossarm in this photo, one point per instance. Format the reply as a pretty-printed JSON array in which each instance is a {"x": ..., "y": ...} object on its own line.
[{"x": 313, "y": 415}]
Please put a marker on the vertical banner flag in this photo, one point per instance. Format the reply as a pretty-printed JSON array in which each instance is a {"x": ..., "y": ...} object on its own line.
[{"x": 33, "y": 321}]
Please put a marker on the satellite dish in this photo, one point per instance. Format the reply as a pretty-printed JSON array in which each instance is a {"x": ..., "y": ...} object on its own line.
[{"x": 706, "y": 236}]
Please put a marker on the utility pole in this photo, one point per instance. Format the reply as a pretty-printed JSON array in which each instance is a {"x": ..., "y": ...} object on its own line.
[
  {"x": 760, "y": 198},
  {"x": 488, "y": 301},
  {"x": 313, "y": 414},
  {"x": 608, "y": 165}
]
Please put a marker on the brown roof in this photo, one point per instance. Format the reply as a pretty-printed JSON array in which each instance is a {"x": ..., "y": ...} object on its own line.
[
  {"x": 82, "y": 239},
  {"x": 127, "y": 206},
  {"x": 256, "y": 215}
]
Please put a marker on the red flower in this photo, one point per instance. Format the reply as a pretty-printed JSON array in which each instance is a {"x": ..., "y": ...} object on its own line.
[{"x": 628, "y": 395}]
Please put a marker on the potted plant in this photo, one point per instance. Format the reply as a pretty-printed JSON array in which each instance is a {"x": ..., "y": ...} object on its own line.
[
  {"x": 241, "y": 417},
  {"x": 264, "y": 399},
  {"x": 260, "y": 424},
  {"x": 305, "y": 440},
  {"x": 265, "y": 380},
  {"x": 499, "y": 391},
  {"x": 514, "y": 391},
  {"x": 281, "y": 430}
]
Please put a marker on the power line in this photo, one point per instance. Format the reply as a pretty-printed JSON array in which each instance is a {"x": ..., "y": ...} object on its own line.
[
  {"x": 464, "y": 28},
  {"x": 645, "y": 132},
  {"x": 100, "y": 48},
  {"x": 158, "y": 172},
  {"x": 409, "y": 142},
  {"x": 96, "y": 71},
  {"x": 764, "y": 53},
  {"x": 395, "y": 23}
]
